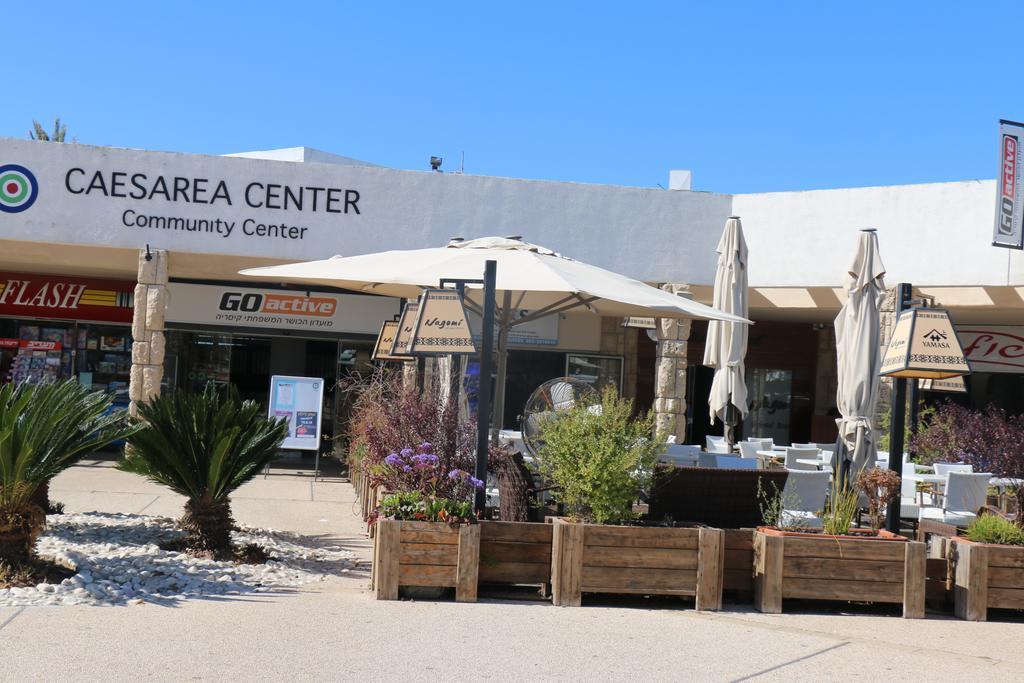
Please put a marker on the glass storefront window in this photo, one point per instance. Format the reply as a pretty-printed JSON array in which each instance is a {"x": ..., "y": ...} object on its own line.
[
  {"x": 769, "y": 392},
  {"x": 597, "y": 371},
  {"x": 103, "y": 358},
  {"x": 41, "y": 351}
]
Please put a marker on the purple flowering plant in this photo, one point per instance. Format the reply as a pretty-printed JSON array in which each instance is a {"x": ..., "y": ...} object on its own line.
[{"x": 420, "y": 470}]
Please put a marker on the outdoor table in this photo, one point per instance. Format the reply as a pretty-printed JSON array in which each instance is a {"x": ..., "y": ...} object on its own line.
[
  {"x": 773, "y": 456},
  {"x": 935, "y": 484},
  {"x": 928, "y": 478},
  {"x": 820, "y": 464}
]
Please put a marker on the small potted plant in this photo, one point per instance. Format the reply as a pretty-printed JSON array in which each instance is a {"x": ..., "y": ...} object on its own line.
[
  {"x": 426, "y": 532},
  {"x": 600, "y": 460},
  {"x": 840, "y": 562}
]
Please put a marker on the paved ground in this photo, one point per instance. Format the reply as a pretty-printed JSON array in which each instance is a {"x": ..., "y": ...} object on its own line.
[{"x": 337, "y": 631}]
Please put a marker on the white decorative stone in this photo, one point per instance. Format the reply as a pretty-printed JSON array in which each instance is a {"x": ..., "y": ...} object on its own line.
[{"x": 119, "y": 562}]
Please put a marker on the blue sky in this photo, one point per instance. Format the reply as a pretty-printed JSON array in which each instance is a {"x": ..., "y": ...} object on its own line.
[{"x": 750, "y": 96}]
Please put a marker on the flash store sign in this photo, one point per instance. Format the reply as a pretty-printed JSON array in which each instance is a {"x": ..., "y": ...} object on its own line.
[
  {"x": 441, "y": 327},
  {"x": 924, "y": 346}
]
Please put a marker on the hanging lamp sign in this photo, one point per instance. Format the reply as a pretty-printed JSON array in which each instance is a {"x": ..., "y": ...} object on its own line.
[
  {"x": 403, "y": 335},
  {"x": 953, "y": 385},
  {"x": 441, "y": 326},
  {"x": 642, "y": 323},
  {"x": 924, "y": 346},
  {"x": 386, "y": 340}
]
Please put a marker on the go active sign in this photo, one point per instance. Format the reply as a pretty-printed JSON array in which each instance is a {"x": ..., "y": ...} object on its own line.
[{"x": 256, "y": 308}]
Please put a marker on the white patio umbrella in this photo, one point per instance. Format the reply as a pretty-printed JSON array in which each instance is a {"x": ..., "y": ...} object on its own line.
[
  {"x": 529, "y": 277},
  {"x": 726, "y": 344},
  {"x": 859, "y": 356}
]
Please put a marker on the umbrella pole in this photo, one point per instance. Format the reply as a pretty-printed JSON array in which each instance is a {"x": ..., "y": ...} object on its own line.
[
  {"x": 504, "y": 327},
  {"x": 897, "y": 421},
  {"x": 484, "y": 399}
]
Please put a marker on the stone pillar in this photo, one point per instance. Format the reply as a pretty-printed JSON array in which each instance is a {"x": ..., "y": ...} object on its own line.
[
  {"x": 148, "y": 329},
  {"x": 617, "y": 340},
  {"x": 670, "y": 372}
]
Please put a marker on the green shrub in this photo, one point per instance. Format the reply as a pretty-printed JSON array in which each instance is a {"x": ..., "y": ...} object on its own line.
[
  {"x": 995, "y": 529},
  {"x": 599, "y": 461}
]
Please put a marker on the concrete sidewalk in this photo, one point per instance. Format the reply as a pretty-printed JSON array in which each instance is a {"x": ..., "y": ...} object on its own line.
[{"x": 338, "y": 632}]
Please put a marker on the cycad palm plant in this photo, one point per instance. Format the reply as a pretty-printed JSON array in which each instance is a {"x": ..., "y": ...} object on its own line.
[
  {"x": 44, "y": 430},
  {"x": 204, "y": 446}
]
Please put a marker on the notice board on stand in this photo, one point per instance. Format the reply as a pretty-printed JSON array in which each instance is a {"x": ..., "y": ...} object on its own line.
[{"x": 300, "y": 400}]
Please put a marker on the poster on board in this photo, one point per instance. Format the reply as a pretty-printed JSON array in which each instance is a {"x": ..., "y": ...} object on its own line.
[{"x": 299, "y": 400}]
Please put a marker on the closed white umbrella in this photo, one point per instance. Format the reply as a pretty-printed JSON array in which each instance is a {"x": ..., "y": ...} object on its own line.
[
  {"x": 726, "y": 344},
  {"x": 859, "y": 356},
  {"x": 528, "y": 277}
]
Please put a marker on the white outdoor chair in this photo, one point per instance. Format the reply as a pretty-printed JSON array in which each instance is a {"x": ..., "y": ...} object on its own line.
[
  {"x": 733, "y": 463},
  {"x": 947, "y": 467},
  {"x": 681, "y": 455},
  {"x": 749, "y": 449},
  {"x": 707, "y": 460},
  {"x": 805, "y": 445},
  {"x": 965, "y": 494},
  {"x": 910, "y": 502},
  {"x": 830, "y": 447},
  {"x": 794, "y": 454},
  {"x": 802, "y": 498},
  {"x": 909, "y": 467},
  {"x": 717, "y": 444}
]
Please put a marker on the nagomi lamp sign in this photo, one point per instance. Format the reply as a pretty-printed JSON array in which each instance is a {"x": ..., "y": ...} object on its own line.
[
  {"x": 953, "y": 385},
  {"x": 385, "y": 342},
  {"x": 924, "y": 346},
  {"x": 1009, "y": 231},
  {"x": 403, "y": 335},
  {"x": 441, "y": 326}
]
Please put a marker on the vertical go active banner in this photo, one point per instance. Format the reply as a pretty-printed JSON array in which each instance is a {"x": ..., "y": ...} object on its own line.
[
  {"x": 299, "y": 400},
  {"x": 1009, "y": 190}
]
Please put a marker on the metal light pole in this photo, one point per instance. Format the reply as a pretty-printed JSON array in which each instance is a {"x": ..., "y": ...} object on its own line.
[
  {"x": 897, "y": 420},
  {"x": 483, "y": 416}
]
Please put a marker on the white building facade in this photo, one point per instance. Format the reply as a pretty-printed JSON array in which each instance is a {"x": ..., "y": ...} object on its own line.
[{"x": 81, "y": 299}]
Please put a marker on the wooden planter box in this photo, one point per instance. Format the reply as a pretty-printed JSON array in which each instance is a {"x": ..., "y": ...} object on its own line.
[
  {"x": 885, "y": 568},
  {"x": 425, "y": 554},
  {"x": 515, "y": 553},
  {"x": 984, "y": 576},
  {"x": 738, "y": 576},
  {"x": 594, "y": 558}
]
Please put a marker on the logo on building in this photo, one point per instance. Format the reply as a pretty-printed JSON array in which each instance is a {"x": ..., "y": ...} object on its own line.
[
  {"x": 278, "y": 304},
  {"x": 18, "y": 188},
  {"x": 935, "y": 336}
]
